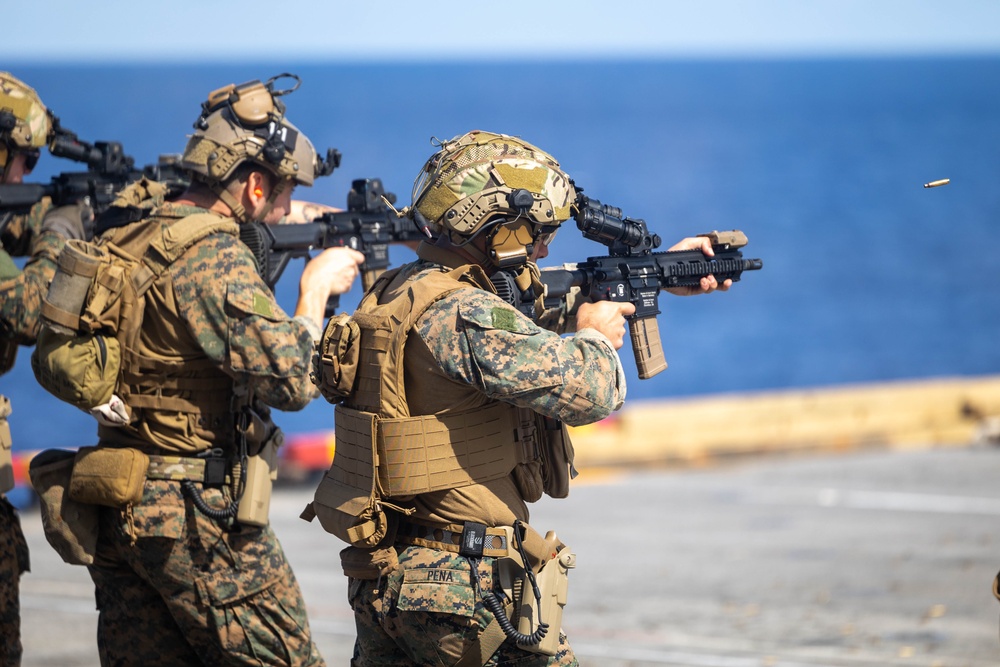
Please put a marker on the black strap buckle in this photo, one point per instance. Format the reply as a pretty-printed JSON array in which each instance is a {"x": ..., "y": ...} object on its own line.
[{"x": 473, "y": 540}]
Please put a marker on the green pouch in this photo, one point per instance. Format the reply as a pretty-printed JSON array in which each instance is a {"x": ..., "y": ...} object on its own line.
[
  {"x": 81, "y": 369},
  {"x": 70, "y": 526},
  {"x": 108, "y": 476}
]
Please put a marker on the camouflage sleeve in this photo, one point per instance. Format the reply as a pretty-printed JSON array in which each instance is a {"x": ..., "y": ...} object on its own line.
[
  {"x": 21, "y": 292},
  {"x": 20, "y": 230},
  {"x": 480, "y": 340},
  {"x": 237, "y": 322}
]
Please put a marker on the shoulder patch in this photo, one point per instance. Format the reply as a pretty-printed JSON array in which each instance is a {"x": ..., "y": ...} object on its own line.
[
  {"x": 261, "y": 304},
  {"x": 504, "y": 319}
]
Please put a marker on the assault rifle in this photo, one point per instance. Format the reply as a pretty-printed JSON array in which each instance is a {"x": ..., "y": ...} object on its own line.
[
  {"x": 368, "y": 225},
  {"x": 109, "y": 170},
  {"x": 633, "y": 272}
]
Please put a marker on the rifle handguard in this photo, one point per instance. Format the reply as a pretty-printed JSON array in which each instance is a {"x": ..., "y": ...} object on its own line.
[{"x": 646, "y": 345}]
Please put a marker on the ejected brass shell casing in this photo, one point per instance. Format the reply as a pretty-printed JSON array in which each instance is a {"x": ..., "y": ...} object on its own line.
[{"x": 934, "y": 184}]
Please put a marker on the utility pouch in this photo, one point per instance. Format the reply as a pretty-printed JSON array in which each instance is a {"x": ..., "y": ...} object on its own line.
[
  {"x": 70, "y": 526},
  {"x": 339, "y": 350},
  {"x": 108, "y": 476},
  {"x": 6, "y": 447},
  {"x": 368, "y": 564},
  {"x": 528, "y": 473},
  {"x": 262, "y": 470},
  {"x": 81, "y": 369}
]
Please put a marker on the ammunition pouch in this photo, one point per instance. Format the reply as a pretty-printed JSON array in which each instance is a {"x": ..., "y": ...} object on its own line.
[
  {"x": 108, "y": 476},
  {"x": 6, "y": 448},
  {"x": 558, "y": 455},
  {"x": 545, "y": 457},
  {"x": 339, "y": 351},
  {"x": 70, "y": 526}
]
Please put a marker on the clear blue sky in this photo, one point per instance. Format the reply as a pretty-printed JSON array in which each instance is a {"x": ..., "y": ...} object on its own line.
[{"x": 217, "y": 30}]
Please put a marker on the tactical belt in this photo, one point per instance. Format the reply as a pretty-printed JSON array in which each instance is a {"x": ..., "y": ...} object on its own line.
[
  {"x": 450, "y": 538},
  {"x": 179, "y": 468}
]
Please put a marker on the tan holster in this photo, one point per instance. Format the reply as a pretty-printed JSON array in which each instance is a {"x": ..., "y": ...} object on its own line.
[{"x": 6, "y": 447}]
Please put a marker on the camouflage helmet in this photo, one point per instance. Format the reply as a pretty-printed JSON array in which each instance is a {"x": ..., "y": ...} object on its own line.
[
  {"x": 25, "y": 123},
  {"x": 480, "y": 176},
  {"x": 246, "y": 123}
]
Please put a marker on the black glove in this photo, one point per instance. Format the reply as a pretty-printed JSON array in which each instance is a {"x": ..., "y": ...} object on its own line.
[{"x": 69, "y": 222}]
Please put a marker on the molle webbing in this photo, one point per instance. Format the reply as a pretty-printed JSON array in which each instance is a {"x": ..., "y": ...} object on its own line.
[
  {"x": 380, "y": 384},
  {"x": 152, "y": 383},
  {"x": 157, "y": 387},
  {"x": 429, "y": 453}
]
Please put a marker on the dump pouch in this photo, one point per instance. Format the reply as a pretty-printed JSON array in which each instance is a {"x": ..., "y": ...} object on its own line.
[
  {"x": 6, "y": 447},
  {"x": 70, "y": 526},
  {"x": 108, "y": 476},
  {"x": 81, "y": 369}
]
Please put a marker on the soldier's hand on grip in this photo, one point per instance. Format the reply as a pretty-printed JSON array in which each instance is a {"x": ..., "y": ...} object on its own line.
[
  {"x": 68, "y": 221},
  {"x": 333, "y": 269},
  {"x": 330, "y": 273},
  {"x": 708, "y": 284},
  {"x": 608, "y": 317}
]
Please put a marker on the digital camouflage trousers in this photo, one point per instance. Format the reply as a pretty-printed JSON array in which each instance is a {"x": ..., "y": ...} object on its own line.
[
  {"x": 427, "y": 612},
  {"x": 176, "y": 588},
  {"x": 13, "y": 562}
]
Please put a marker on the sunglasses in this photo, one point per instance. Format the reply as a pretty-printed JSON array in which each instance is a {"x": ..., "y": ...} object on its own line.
[{"x": 546, "y": 234}]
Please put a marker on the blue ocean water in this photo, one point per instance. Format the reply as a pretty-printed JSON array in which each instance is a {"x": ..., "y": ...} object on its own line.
[{"x": 867, "y": 275}]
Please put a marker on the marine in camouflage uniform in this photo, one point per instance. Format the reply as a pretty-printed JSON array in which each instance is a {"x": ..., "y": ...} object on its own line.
[
  {"x": 452, "y": 413},
  {"x": 469, "y": 352},
  {"x": 39, "y": 234},
  {"x": 472, "y": 349},
  {"x": 173, "y": 585}
]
